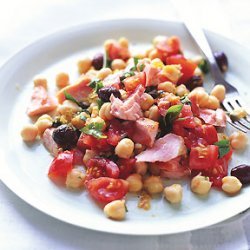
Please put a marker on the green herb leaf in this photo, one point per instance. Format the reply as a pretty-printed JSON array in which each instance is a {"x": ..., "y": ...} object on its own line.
[
  {"x": 172, "y": 113},
  {"x": 107, "y": 60},
  {"x": 185, "y": 100},
  {"x": 224, "y": 147},
  {"x": 94, "y": 129},
  {"x": 83, "y": 117},
  {"x": 71, "y": 98},
  {"x": 127, "y": 74},
  {"x": 204, "y": 67},
  {"x": 99, "y": 103},
  {"x": 96, "y": 84},
  {"x": 142, "y": 66}
]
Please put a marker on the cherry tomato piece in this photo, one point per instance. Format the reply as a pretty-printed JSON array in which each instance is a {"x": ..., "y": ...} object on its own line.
[
  {"x": 133, "y": 81},
  {"x": 105, "y": 189},
  {"x": 126, "y": 167}
]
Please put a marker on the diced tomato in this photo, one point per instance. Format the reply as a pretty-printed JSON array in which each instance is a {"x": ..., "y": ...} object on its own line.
[
  {"x": 77, "y": 156},
  {"x": 203, "y": 157},
  {"x": 187, "y": 67},
  {"x": 90, "y": 142},
  {"x": 207, "y": 132},
  {"x": 169, "y": 46},
  {"x": 115, "y": 132},
  {"x": 101, "y": 167},
  {"x": 133, "y": 81},
  {"x": 115, "y": 51},
  {"x": 194, "y": 107},
  {"x": 126, "y": 167},
  {"x": 60, "y": 166},
  {"x": 105, "y": 189}
]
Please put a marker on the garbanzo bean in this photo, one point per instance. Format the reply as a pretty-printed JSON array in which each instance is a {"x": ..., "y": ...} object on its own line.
[
  {"x": 40, "y": 81},
  {"x": 43, "y": 122},
  {"x": 104, "y": 111},
  {"x": 181, "y": 90},
  {"x": 124, "y": 148},
  {"x": 238, "y": 140},
  {"x": 154, "y": 113},
  {"x": 167, "y": 87},
  {"x": 147, "y": 102},
  {"x": 153, "y": 184},
  {"x": 75, "y": 179},
  {"x": 231, "y": 185},
  {"x": 219, "y": 91},
  {"x": 103, "y": 73},
  {"x": 201, "y": 185},
  {"x": 84, "y": 65},
  {"x": 118, "y": 64},
  {"x": 213, "y": 102},
  {"x": 123, "y": 41},
  {"x": 115, "y": 210},
  {"x": 173, "y": 193},
  {"x": 134, "y": 183},
  {"x": 141, "y": 168},
  {"x": 89, "y": 154},
  {"x": 62, "y": 80},
  {"x": 29, "y": 132}
]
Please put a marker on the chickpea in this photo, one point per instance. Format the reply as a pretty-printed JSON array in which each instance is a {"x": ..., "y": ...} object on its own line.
[
  {"x": 115, "y": 210},
  {"x": 89, "y": 154},
  {"x": 103, "y": 73},
  {"x": 201, "y": 185},
  {"x": 97, "y": 119},
  {"x": 231, "y": 185},
  {"x": 118, "y": 64},
  {"x": 154, "y": 113},
  {"x": 141, "y": 168},
  {"x": 84, "y": 65},
  {"x": 135, "y": 183},
  {"x": 201, "y": 96},
  {"x": 172, "y": 72},
  {"x": 219, "y": 91},
  {"x": 181, "y": 90},
  {"x": 153, "y": 184},
  {"x": 68, "y": 107},
  {"x": 123, "y": 41},
  {"x": 238, "y": 140},
  {"x": 238, "y": 113},
  {"x": 153, "y": 54},
  {"x": 104, "y": 111},
  {"x": 62, "y": 80},
  {"x": 40, "y": 81},
  {"x": 167, "y": 87},
  {"x": 29, "y": 133},
  {"x": 213, "y": 102},
  {"x": 124, "y": 148},
  {"x": 158, "y": 39},
  {"x": 147, "y": 102},
  {"x": 173, "y": 193},
  {"x": 75, "y": 179},
  {"x": 94, "y": 111},
  {"x": 139, "y": 148},
  {"x": 157, "y": 63},
  {"x": 43, "y": 122},
  {"x": 198, "y": 72}
]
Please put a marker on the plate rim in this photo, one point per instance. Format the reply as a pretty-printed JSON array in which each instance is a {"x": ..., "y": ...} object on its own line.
[{"x": 74, "y": 28}]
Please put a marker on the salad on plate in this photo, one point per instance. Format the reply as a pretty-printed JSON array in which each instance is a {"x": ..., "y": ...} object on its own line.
[{"x": 131, "y": 122}]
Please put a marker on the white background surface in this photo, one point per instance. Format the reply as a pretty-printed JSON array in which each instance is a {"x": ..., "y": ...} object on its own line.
[{"x": 22, "y": 22}]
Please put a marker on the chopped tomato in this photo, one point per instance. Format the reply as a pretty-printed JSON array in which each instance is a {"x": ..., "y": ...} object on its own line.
[
  {"x": 77, "y": 156},
  {"x": 115, "y": 51},
  {"x": 133, "y": 81},
  {"x": 61, "y": 165},
  {"x": 101, "y": 167},
  {"x": 207, "y": 132},
  {"x": 105, "y": 189},
  {"x": 126, "y": 167},
  {"x": 115, "y": 132},
  {"x": 203, "y": 157},
  {"x": 40, "y": 102},
  {"x": 169, "y": 46},
  {"x": 187, "y": 67},
  {"x": 90, "y": 142}
]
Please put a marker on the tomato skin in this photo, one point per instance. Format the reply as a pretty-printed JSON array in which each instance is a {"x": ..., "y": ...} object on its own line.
[
  {"x": 115, "y": 132},
  {"x": 105, "y": 189},
  {"x": 101, "y": 167},
  {"x": 133, "y": 81},
  {"x": 207, "y": 132},
  {"x": 61, "y": 165},
  {"x": 77, "y": 156},
  {"x": 126, "y": 167},
  {"x": 90, "y": 142},
  {"x": 203, "y": 157},
  {"x": 187, "y": 67},
  {"x": 115, "y": 51}
]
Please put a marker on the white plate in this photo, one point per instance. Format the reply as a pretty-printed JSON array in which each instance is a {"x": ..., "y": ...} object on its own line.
[{"x": 24, "y": 168}]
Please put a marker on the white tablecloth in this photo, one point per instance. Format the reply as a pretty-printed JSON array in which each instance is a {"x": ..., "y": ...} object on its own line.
[{"x": 21, "y": 22}]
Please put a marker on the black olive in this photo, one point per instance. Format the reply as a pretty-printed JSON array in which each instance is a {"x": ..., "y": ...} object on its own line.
[
  {"x": 56, "y": 124},
  {"x": 221, "y": 60},
  {"x": 194, "y": 82},
  {"x": 105, "y": 93},
  {"x": 153, "y": 91},
  {"x": 65, "y": 136},
  {"x": 97, "y": 61},
  {"x": 242, "y": 172}
]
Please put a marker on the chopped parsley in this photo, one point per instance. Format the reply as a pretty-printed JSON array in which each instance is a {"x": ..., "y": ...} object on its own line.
[
  {"x": 94, "y": 129},
  {"x": 96, "y": 84},
  {"x": 224, "y": 147},
  {"x": 172, "y": 114}
]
